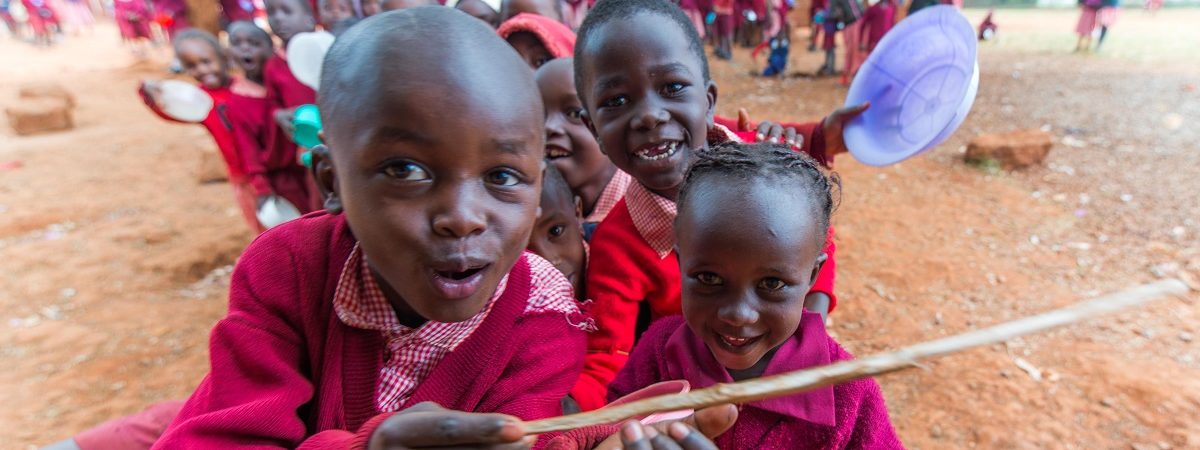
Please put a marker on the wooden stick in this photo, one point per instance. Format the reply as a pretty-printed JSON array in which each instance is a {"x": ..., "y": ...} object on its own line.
[{"x": 809, "y": 379}]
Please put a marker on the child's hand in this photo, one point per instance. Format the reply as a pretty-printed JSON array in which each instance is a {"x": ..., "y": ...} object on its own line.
[
  {"x": 768, "y": 131},
  {"x": 429, "y": 425},
  {"x": 693, "y": 433},
  {"x": 283, "y": 118},
  {"x": 833, "y": 126}
]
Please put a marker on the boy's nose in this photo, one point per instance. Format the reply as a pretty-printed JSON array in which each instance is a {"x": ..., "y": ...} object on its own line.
[
  {"x": 650, "y": 117},
  {"x": 461, "y": 217}
]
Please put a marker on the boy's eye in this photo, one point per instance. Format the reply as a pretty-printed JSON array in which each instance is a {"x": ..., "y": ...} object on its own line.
[
  {"x": 406, "y": 171},
  {"x": 673, "y": 88},
  {"x": 503, "y": 177},
  {"x": 575, "y": 114},
  {"x": 771, "y": 284},
  {"x": 557, "y": 230},
  {"x": 709, "y": 278},
  {"x": 614, "y": 102}
]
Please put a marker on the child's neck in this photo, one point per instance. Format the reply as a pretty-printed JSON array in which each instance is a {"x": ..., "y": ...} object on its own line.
[
  {"x": 404, "y": 313},
  {"x": 754, "y": 371},
  {"x": 590, "y": 193}
]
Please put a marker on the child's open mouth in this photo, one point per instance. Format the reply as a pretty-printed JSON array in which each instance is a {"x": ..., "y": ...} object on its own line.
[
  {"x": 737, "y": 344},
  {"x": 655, "y": 152},
  {"x": 459, "y": 282},
  {"x": 555, "y": 152}
]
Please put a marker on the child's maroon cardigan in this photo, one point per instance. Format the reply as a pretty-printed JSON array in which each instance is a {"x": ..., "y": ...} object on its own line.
[
  {"x": 849, "y": 415},
  {"x": 287, "y": 373}
]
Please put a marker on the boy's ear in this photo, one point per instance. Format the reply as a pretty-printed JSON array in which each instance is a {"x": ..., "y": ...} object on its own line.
[
  {"x": 579, "y": 208},
  {"x": 326, "y": 178},
  {"x": 712, "y": 102},
  {"x": 812, "y": 279}
]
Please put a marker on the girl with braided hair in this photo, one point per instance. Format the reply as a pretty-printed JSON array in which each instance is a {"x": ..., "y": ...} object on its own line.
[{"x": 751, "y": 232}]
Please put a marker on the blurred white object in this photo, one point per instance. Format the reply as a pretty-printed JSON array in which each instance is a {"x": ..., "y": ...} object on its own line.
[
  {"x": 184, "y": 101},
  {"x": 306, "y": 54},
  {"x": 275, "y": 211}
]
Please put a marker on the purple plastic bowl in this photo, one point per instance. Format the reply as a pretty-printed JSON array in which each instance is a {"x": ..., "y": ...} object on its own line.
[{"x": 919, "y": 82}]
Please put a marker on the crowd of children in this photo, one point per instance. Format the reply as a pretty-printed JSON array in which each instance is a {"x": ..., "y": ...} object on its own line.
[
  {"x": 506, "y": 224},
  {"x": 140, "y": 23}
]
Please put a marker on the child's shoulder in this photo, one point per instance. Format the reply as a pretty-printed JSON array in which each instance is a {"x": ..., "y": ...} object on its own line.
[
  {"x": 549, "y": 289},
  {"x": 314, "y": 237},
  {"x": 661, "y": 330}
]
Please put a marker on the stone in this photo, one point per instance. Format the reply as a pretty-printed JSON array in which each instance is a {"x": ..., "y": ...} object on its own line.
[
  {"x": 210, "y": 167},
  {"x": 1015, "y": 150},
  {"x": 47, "y": 90},
  {"x": 40, "y": 115}
]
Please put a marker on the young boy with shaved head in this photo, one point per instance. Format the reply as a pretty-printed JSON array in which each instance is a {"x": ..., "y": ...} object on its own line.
[{"x": 413, "y": 291}]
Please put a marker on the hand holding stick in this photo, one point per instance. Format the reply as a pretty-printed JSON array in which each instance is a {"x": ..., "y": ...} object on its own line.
[{"x": 809, "y": 379}]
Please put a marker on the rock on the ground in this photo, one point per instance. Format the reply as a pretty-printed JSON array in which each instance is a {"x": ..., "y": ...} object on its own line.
[
  {"x": 210, "y": 167},
  {"x": 39, "y": 115},
  {"x": 1015, "y": 150},
  {"x": 47, "y": 90}
]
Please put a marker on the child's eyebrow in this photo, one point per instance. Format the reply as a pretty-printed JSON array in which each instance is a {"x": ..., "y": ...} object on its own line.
[
  {"x": 511, "y": 146},
  {"x": 668, "y": 68},
  {"x": 387, "y": 135}
]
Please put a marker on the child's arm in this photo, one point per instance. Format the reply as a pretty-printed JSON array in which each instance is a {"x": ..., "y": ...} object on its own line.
[
  {"x": 820, "y": 298},
  {"x": 249, "y": 134},
  {"x": 258, "y": 378},
  {"x": 616, "y": 284}
]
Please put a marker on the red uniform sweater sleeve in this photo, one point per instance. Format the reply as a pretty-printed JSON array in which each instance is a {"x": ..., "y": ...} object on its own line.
[
  {"x": 617, "y": 279},
  {"x": 258, "y": 376},
  {"x": 250, "y": 133},
  {"x": 825, "y": 278},
  {"x": 812, "y": 132}
]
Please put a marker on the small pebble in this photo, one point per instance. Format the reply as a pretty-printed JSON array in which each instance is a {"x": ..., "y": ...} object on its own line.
[
  {"x": 1107, "y": 402},
  {"x": 1127, "y": 198},
  {"x": 1185, "y": 337}
]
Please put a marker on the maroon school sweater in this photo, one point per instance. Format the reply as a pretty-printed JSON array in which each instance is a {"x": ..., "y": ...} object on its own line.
[
  {"x": 287, "y": 373},
  {"x": 851, "y": 415}
]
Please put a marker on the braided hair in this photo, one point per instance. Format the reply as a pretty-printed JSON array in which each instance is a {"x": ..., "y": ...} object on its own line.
[{"x": 736, "y": 162}]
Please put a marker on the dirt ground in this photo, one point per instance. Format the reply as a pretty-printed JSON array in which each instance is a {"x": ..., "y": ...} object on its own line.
[{"x": 115, "y": 260}]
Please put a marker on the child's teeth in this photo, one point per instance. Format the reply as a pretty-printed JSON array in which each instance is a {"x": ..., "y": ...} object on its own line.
[{"x": 664, "y": 150}]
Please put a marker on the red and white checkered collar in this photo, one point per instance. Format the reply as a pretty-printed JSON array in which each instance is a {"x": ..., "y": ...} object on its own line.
[
  {"x": 653, "y": 215},
  {"x": 360, "y": 303}
]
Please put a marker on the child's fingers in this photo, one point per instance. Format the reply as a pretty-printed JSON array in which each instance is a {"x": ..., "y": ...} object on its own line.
[
  {"x": 790, "y": 137},
  {"x": 633, "y": 436},
  {"x": 661, "y": 441},
  {"x": 743, "y": 120},
  {"x": 850, "y": 112},
  {"x": 432, "y": 428},
  {"x": 688, "y": 438},
  {"x": 714, "y": 420}
]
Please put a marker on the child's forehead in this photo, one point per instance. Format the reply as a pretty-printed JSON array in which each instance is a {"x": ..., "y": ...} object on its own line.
[
  {"x": 611, "y": 43},
  {"x": 558, "y": 73},
  {"x": 196, "y": 47}
]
